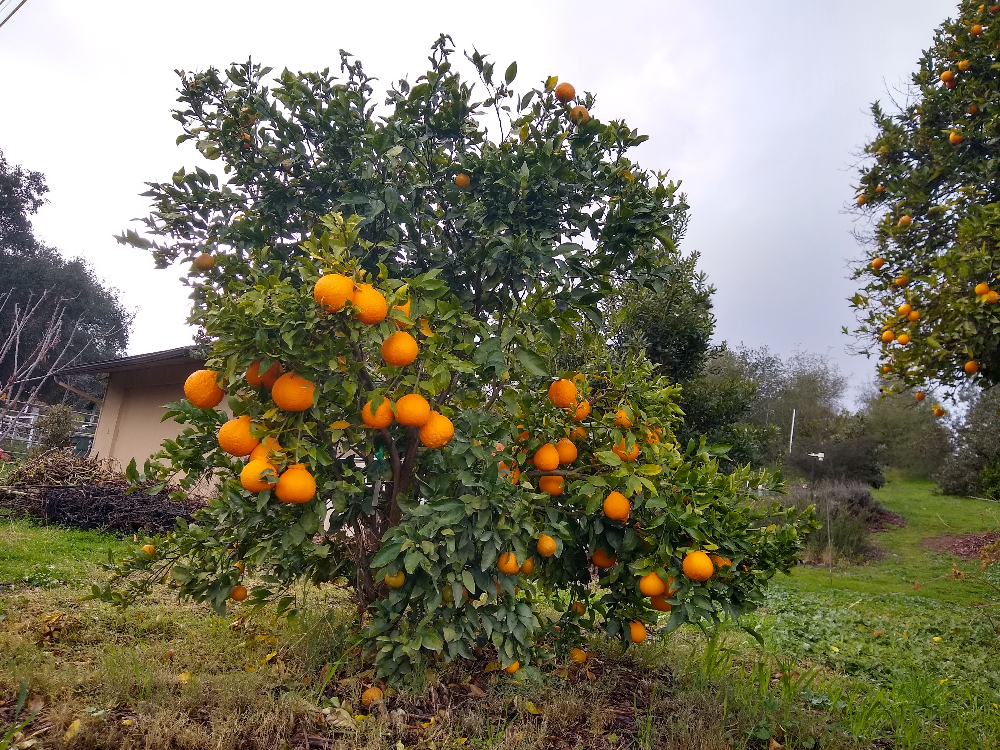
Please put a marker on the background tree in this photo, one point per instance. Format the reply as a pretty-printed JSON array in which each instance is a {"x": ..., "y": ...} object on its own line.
[
  {"x": 22, "y": 193},
  {"x": 973, "y": 468},
  {"x": 929, "y": 186},
  {"x": 914, "y": 441}
]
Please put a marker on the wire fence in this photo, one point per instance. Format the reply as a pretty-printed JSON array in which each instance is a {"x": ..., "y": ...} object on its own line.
[{"x": 22, "y": 433}]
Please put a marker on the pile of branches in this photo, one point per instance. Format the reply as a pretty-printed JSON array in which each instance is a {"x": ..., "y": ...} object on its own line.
[{"x": 61, "y": 488}]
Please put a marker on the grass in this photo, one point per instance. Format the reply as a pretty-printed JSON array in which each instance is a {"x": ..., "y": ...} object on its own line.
[{"x": 872, "y": 660}]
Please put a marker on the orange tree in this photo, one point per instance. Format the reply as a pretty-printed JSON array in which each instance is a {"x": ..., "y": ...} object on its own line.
[
  {"x": 930, "y": 186},
  {"x": 382, "y": 298}
]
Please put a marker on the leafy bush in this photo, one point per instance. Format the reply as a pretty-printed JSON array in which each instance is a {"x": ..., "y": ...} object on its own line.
[
  {"x": 56, "y": 428},
  {"x": 973, "y": 467},
  {"x": 853, "y": 514}
]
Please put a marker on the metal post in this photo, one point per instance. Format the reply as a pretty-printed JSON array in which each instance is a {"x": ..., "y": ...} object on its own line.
[{"x": 791, "y": 435}]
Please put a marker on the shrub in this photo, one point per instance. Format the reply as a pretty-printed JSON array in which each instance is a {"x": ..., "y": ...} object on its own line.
[
  {"x": 853, "y": 514},
  {"x": 56, "y": 428}
]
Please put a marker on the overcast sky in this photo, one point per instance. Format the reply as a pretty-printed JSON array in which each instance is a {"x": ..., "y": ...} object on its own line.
[{"x": 757, "y": 107}]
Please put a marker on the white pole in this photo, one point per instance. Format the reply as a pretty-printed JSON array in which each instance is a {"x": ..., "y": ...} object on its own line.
[{"x": 791, "y": 435}]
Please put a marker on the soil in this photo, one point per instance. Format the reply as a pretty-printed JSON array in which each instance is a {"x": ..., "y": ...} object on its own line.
[
  {"x": 967, "y": 546},
  {"x": 886, "y": 520}
]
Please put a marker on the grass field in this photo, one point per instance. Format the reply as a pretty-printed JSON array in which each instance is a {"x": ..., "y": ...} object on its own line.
[{"x": 896, "y": 653}]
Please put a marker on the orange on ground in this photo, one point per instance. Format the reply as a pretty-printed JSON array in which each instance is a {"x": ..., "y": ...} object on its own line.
[
  {"x": 919, "y": 395},
  {"x": 566, "y": 450},
  {"x": 565, "y": 92},
  {"x": 903, "y": 339},
  {"x": 562, "y": 393},
  {"x": 546, "y": 546},
  {"x": 578, "y": 433},
  {"x": 528, "y": 566},
  {"x": 293, "y": 392},
  {"x": 971, "y": 367},
  {"x": 622, "y": 418},
  {"x": 295, "y": 485},
  {"x": 238, "y": 594},
  {"x": 905, "y": 309},
  {"x": 659, "y": 603},
  {"x": 395, "y": 581},
  {"x": 371, "y": 304},
  {"x": 980, "y": 290},
  {"x": 149, "y": 549},
  {"x": 637, "y": 631},
  {"x": 371, "y": 696},
  {"x": 955, "y": 137},
  {"x": 333, "y": 290},
  {"x": 379, "y": 418},
  {"x": 617, "y": 507},
  {"x": 513, "y": 667},
  {"x": 578, "y": 608},
  {"x": 235, "y": 438},
  {"x": 578, "y": 655},
  {"x": 546, "y": 458},
  {"x": 413, "y": 410},
  {"x": 888, "y": 336},
  {"x": 579, "y": 114},
  {"x": 581, "y": 411},
  {"x": 630, "y": 456},
  {"x": 204, "y": 261},
  {"x": 505, "y": 471},
  {"x": 602, "y": 561},
  {"x": 508, "y": 564},
  {"x": 437, "y": 432},
  {"x": 256, "y": 378},
  {"x": 551, "y": 484},
  {"x": 947, "y": 76},
  {"x": 901, "y": 280},
  {"x": 877, "y": 263},
  {"x": 652, "y": 585},
  {"x": 904, "y": 221},
  {"x": 698, "y": 566},
  {"x": 463, "y": 180},
  {"x": 202, "y": 389},
  {"x": 266, "y": 448},
  {"x": 914, "y": 315},
  {"x": 400, "y": 349},
  {"x": 251, "y": 478}
]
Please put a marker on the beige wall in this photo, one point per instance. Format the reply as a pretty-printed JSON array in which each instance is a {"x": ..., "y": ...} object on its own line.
[{"x": 129, "y": 426}]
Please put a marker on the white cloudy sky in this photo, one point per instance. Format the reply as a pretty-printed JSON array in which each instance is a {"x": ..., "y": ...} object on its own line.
[{"x": 756, "y": 106}]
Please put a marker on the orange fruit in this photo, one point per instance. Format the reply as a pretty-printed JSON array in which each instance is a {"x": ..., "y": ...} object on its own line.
[
  {"x": 886, "y": 368},
  {"x": 204, "y": 262},
  {"x": 951, "y": 84},
  {"x": 240, "y": 566},
  {"x": 202, "y": 389},
  {"x": 582, "y": 411},
  {"x": 267, "y": 447},
  {"x": 637, "y": 631},
  {"x": 955, "y": 137},
  {"x": 505, "y": 471},
  {"x": 659, "y": 603},
  {"x": 395, "y": 581},
  {"x": 915, "y": 316},
  {"x": 919, "y": 395},
  {"x": 905, "y": 309},
  {"x": 463, "y": 180},
  {"x": 578, "y": 433},
  {"x": 721, "y": 562},
  {"x": 901, "y": 280},
  {"x": 973, "y": 109},
  {"x": 622, "y": 419},
  {"x": 904, "y": 221},
  {"x": 903, "y": 339},
  {"x": 563, "y": 393},
  {"x": 551, "y": 484},
  {"x": 546, "y": 546},
  {"x": 654, "y": 435},
  {"x": 992, "y": 297},
  {"x": 379, "y": 418},
  {"x": 578, "y": 608},
  {"x": 437, "y": 432},
  {"x": 565, "y": 92},
  {"x": 508, "y": 564},
  {"x": 994, "y": 9},
  {"x": 579, "y": 114},
  {"x": 602, "y": 561},
  {"x": 617, "y": 507},
  {"x": 400, "y": 349},
  {"x": 879, "y": 189},
  {"x": 293, "y": 392},
  {"x": 976, "y": 30},
  {"x": 698, "y": 566},
  {"x": 630, "y": 456},
  {"x": 235, "y": 438},
  {"x": 963, "y": 65},
  {"x": 149, "y": 549},
  {"x": 652, "y": 585},
  {"x": 566, "y": 450},
  {"x": 528, "y": 566},
  {"x": 981, "y": 289},
  {"x": 238, "y": 594},
  {"x": 947, "y": 76},
  {"x": 971, "y": 367},
  {"x": 578, "y": 655},
  {"x": 513, "y": 667},
  {"x": 371, "y": 304},
  {"x": 877, "y": 263},
  {"x": 546, "y": 458},
  {"x": 939, "y": 412},
  {"x": 405, "y": 309},
  {"x": 371, "y": 696},
  {"x": 413, "y": 410},
  {"x": 296, "y": 485},
  {"x": 333, "y": 290},
  {"x": 268, "y": 378},
  {"x": 251, "y": 478},
  {"x": 862, "y": 200},
  {"x": 888, "y": 336}
]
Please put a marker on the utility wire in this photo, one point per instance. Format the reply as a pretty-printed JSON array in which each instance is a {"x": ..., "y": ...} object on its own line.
[{"x": 9, "y": 15}]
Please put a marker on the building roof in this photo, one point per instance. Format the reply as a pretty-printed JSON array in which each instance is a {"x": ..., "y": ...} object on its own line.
[{"x": 179, "y": 356}]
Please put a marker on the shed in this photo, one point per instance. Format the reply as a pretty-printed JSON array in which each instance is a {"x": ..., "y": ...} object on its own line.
[{"x": 138, "y": 389}]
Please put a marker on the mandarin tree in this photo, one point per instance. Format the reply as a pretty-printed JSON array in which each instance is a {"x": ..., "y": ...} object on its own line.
[
  {"x": 417, "y": 440},
  {"x": 930, "y": 188}
]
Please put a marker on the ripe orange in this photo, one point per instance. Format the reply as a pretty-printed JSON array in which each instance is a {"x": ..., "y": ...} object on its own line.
[
  {"x": 938, "y": 412},
  {"x": 202, "y": 389},
  {"x": 379, "y": 418},
  {"x": 617, "y": 507},
  {"x": 513, "y": 667},
  {"x": 888, "y": 336},
  {"x": 955, "y": 137},
  {"x": 982, "y": 289},
  {"x": 578, "y": 608},
  {"x": 602, "y": 561},
  {"x": 235, "y": 438},
  {"x": 963, "y": 65},
  {"x": 546, "y": 458},
  {"x": 292, "y": 392},
  {"x": 862, "y": 199},
  {"x": 251, "y": 478},
  {"x": 395, "y": 581},
  {"x": 567, "y": 451},
  {"x": 579, "y": 114},
  {"x": 582, "y": 411},
  {"x": 905, "y": 309},
  {"x": 266, "y": 448},
  {"x": 637, "y": 631},
  {"x": 698, "y": 566},
  {"x": 551, "y": 484},
  {"x": 721, "y": 562},
  {"x": 971, "y": 367},
  {"x": 505, "y": 471},
  {"x": 400, "y": 349},
  {"x": 238, "y": 594},
  {"x": 508, "y": 564},
  {"x": 915, "y": 316},
  {"x": 463, "y": 180},
  {"x": 578, "y": 655},
  {"x": 563, "y": 393},
  {"x": 578, "y": 433},
  {"x": 622, "y": 418},
  {"x": 437, "y": 432},
  {"x": 413, "y": 410},
  {"x": 333, "y": 290},
  {"x": 296, "y": 485},
  {"x": 565, "y": 92},
  {"x": 204, "y": 262},
  {"x": 879, "y": 189},
  {"x": 976, "y": 30},
  {"x": 919, "y": 395},
  {"x": 371, "y": 304},
  {"x": 630, "y": 456},
  {"x": 904, "y": 221},
  {"x": 973, "y": 109},
  {"x": 903, "y": 339},
  {"x": 877, "y": 263},
  {"x": 371, "y": 696},
  {"x": 528, "y": 566},
  {"x": 886, "y": 368},
  {"x": 951, "y": 84},
  {"x": 546, "y": 546},
  {"x": 659, "y": 603},
  {"x": 268, "y": 378},
  {"x": 901, "y": 280},
  {"x": 992, "y": 298},
  {"x": 652, "y": 585},
  {"x": 654, "y": 435},
  {"x": 149, "y": 549},
  {"x": 947, "y": 76}
]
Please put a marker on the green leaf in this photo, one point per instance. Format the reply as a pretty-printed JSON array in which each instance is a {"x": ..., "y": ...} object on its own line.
[
  {"x": 511, "y": 73},
  {"x": 531, "y": 362}
]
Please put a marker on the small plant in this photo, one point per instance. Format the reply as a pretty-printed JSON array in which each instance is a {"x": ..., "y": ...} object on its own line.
[
  {"x": 56, "y": 428},
  {"x": 7, "y": 740}
]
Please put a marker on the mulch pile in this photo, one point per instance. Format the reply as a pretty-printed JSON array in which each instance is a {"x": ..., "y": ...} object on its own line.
[
  {"x": 58, "y": 487},
  {"x": 886, "y": 520},
  {"x": 967, "y": 546}
]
